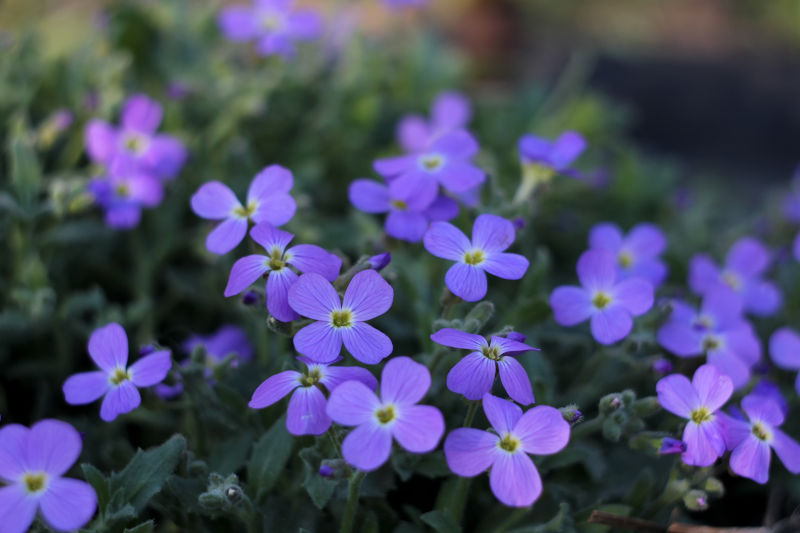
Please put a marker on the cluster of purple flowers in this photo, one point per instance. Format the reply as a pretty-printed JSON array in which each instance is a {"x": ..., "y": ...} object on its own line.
[{"x": 135, "y": 161}]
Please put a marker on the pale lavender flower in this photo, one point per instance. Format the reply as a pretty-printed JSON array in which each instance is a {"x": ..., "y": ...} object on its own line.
[
  {"x": 637, "y": 252},
  {"x": 124, "y": 192},
  {"x": 784, "y": 348},
  {"x": 450, "y": 111}
]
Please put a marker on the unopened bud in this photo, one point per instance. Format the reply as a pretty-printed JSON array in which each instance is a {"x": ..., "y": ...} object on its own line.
[
  {"x": 671, "y": 446},
  {"x": 662, "y": 366},
  {"x": 571, "y": 414},
  {"x": 380, "y": 261},
  {"x": 696, "y": 500},
  {"x": 250, "y": 298}
]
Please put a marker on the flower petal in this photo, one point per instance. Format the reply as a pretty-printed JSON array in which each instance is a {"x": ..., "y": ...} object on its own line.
[
  {"x": 460, "y": 176},
  {"x": 120, "y": 400},
  {"x": 238, "y": 23},
  {"x": 165, "y": 156},
  {"x": 274, "y": 388},
  {"x": 226, "y": 236},
  {"x": 606, "y": 236},
  {"x": 515, "y": 480},
  {"x": 276, "y": 209},
  {"x": 747, "y": 257},
  {"x": 645, "y": 241},
  {"x": 713, "y": 387},
  {"x": 724, "y": 306},
  {"x": 762, "y": 409},
  {"x": 542, "y": 430},
  {"x": 68, "y": 504},
  {"x": 787, "y": 449},
  {"x": 319, "y": 341},
  {"x": 52, "y": 447},
  {"x": 446, "y": 241},
  {"x": 367, "y": 447},
  {"x": 459, "y": 144},
  {"x": 443, "y": 208},
  {"x": 751, "y": 460},
  {"x": 311, "y": 258},
  {"x": 704, "y": 443},
  {"x": 17, "y": 511},
  {"x": 245, "y": 271},
  {"x": 635, "y": 295},
  {"x": 416, "y": 188},
  {"x": 406, "y": 225},
  {"x": 762, "y": 298},
  {"x": 366, "y": 343},
  {"x": 141, "y": 114},
  {"x": 13, "y": 439},
  {"x": 368, "y": 295},
  {"x": 676, "y": 395},
  {"x": 352, "y": 403},
  {"x": 333, "y": 376},
  {"x": 151, "y": 369},
  {"x": 314, "y": 297},
  {"x": 492, "y": 233},
  {"x": 597, "y": 269},
  {"x": 611, "y": 324},
  {"x": 731, "y": 365},
  {"x": 391, "y": 167},
  {"x": 404, "y": 381},
  {"x": 472, "y": 376},
  {"x": 369, "y": 196},
  {"x": 703, "y": 274},
  {"x": 681, "y": 339},
  {"x": 306, "y": 414},
  {"x": 568, "y": 147},
  {"x": 571, "y": 305},
  {"x": 458, "y": 339},
  {"x": 451, "y": 110},
  {"x": 418, "y": 428},
  {"x": 101, "y": 140},
  {"x": 413, "y": 133},
  {"x": 515, "y": 380},
  {"x": 269, "y": 237},
  {"x": 784, "y": 348},
  {"x": 468, "y": 282},
  {"x": 108, "y": 347},
  {"x": 278, "y": 284},
  {"x": 503, "y": 415},
  {"x": 506, "y": 266},
  {"x": 85, "y": 387},
  {"x": 470, "y": 451}
]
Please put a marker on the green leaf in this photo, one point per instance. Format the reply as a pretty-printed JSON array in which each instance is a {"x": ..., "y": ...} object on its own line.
[
  {"x": 319, "y": 488},
  {"x": 100, "y": 485},
  {"x": 441, "y": 522},
  {"x": 270, "y": 455},
  {"x": 144, "y": 527},
  {"x": 147, "y": 472},
  {"x": 25, "y": 171}
]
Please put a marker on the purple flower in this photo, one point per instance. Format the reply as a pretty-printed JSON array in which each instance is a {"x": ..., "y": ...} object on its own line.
[
  {"x": 306, "y": 414},
  {"x": 796, "y": 247},
  {"x": 513, "y": 476},
  {"x": 417, "y": 428},
  {"x": 342, "y": 321},
  {"x": 268, "y": 200},
  {"x": 662, "y": 366},
  {"x": 136, "y": 142},
  {"x": 108, "y": 347},
  {"x": 556, "y": 156},
  {"x": 742, "y": 274},
  {"x": 791, "y": 203},
  {"x": 671, "y": 446},
  {"x": 752, "y": 439},
  {"x": 32, "y": 463},
  {"x": 770, "y": 391},
  {"x": 227, "y": 340},
  {"x": 124, "y": 192},
  {"x": 609, "y": 305},
  {"x": 278, "y": 267},
  {"x": 697, "y": 401},
  {"x": 474, "y": 375},
  {"x": 272, "y": 24},
  {"x": 447, "y": 160},
  {"x": 784, "y": 348},
  {"x": 397, "y": 4},
  {"x": 451, "y": 111},
  {"x": 380, "y": 261},
  {"x": 491, "y": 235},
  {"x": 718, "y": 330},
  {"x": 637, "y": 253}
]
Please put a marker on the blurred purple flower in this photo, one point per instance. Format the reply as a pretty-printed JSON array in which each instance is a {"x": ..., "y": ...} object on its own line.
[
  {"x": 268, "y": 200},
  {"x": 742, "y": 274},
  {"x": 718, "y": 330},
  {"x": 399, "y": 4},
  {"x": 491, "y": 235},
  {"x": 557, "y": 155},
  {"x": 124, "y": 192},
  {"x": 662, "y": 366},
  {"x": 32, "y": 463},
  {"x": 307, "y": 414},
  {"x": 784, "y": 348},
  {"x": 791, "y": 202},
  {"x": 697, "y": 401},
  {"x": 450, "y": 111},
  {"x": 342, "y": 321},
  {"x": 609, "y": 305},
  {"x": 279, "y": 267},
  {"x": 637, "y": 252},
  {"x": 513, "y": 476},
  {"x": 118, "y": 382},
  {"x": 273, "y": 24},
  {"x": 474, "y": 375},
  {"x": 394, "y": 415}
]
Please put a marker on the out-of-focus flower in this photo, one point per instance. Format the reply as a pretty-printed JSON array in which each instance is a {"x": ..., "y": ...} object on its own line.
[
  {"x": 718, "y": 330},
  {"x": 542, "y": 159},
  {"x": 32, "y": 463},
  {"x": 342, "y": 321},
  {"x": 116, "y": 381},
  {"x": 399, "y": 4},
  {"x": 662, "y": 366},
  {"x": 791, "y": 202},
  {"x": 273, "y": 24},
  {"x": 491, "y": 235},
  {"x": 268, "y": 200},
  {"x": 474, "y": 375},
  {"x": 124, "y": 192},
  {"x": 784, "y": 348},
  {"x": 450, "y": 111},
  {"x": 393, "y": 415},
  {"x": 637, "y": 252},
  {"x": 698, "y": 401},
  {"x": 307, "y": 414},
  {"x": 610, "y": 305},
  {"x": 278, "y": 268},
  {"x": 513, "y": 476},
  {"x": 742, "y": 274}
]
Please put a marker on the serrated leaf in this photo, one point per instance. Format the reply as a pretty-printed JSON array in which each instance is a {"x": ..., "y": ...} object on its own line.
[
  {"x": 268, "y": 459},
  {"x": 146, "y": 473},
  {"x": 441, "y": 522},
  {"x": 100, "y": 485}
]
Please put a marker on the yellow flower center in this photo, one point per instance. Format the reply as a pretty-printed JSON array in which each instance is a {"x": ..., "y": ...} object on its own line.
[
  {"x": 509, "y": 443},
  {"x": 702, "y": 414},
  {"x": 399, "y": 204},
  {"x": 761, "y": 432},
  {"x": 122, "y": 190},
  {"x": 119, "y": 375},
  {"x": 271, "y": 21},
  {"x": 625, "y": 259},
  {"x": 710, "y": 342},
  {"x": 34, "y": 482},
  {"x": 474, "y": 257},
  {"x": 312, "y": 378},
  {"x": 276, "y": 259},
  {"x": 732, "y": 280},
  {"x": 246, "y": 212},
  {"x": 491, "y": 352},
  {"x": 431, "y": 162},
  {"x": 342, "y": 318},
  {"x": 135, "y": 143},
  {"x": 601, "y": 299},
  {"x": 385, "y": 414}
]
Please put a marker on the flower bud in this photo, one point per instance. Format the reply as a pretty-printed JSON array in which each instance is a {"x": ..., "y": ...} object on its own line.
[
  {"x": 380, "y": 261},
  {"x": 571, "y": 413},
  {"x": 610, "y": 403},
  {"x": 671, "y": 446},
  {"x": 646, "y": 406},
  {"x": 612, "y": 431},
  {"x": 696, "y": 500},
  {"x": 714, "y": 487},
  {"x": 250, "y": 298},
  {"x": 662, "y": 366}
]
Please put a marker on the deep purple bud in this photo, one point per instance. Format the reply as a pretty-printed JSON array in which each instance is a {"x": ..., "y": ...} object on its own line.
[
  {"x": 518, "y": 222},
  {"x": 177, "y": 90},
  {"x": 380, "y": 261},
  {"x": 146, "y": 350},
  {"x": 516, "y": 336},
  {"x": 671, "y": 446},
  {"x": 662, "y": 366},
  {"x": 326, "y": 471},
  {"x": 250, "y": 298}
]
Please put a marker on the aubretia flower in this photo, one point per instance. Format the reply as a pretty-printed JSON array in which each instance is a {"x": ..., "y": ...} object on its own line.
[
  {"x": 609, "y": 305},
  {"x": 474, "y": 375},
  {"x": 742, "y": 274},
  {"x": 108, "y": 347},
  {"x": 555, "y": 156},
  {"x": 136, "y": 142},
  {"x": 670, "y": 446},
  {"x": 273, "y": 24},
  {"x": 342, "y": 321},
  {"x": 306, "y": 414},
  {"x": 491, "y": 235},
  {"x": 637, "y": 252},
  {"x": 513, "y": 477},
  {"x": 697, "y": 401},
  {"x": 450, "y": 111},
  {"x": 752, "y": 439},
  {"x": 268, "y": 200},
  {"x": 278, "y": 267},
  {"x": 32, "y": 463},
  {"x": 447, "y": 160},
  {"x": 718, "y": 330},
  {"x": 791, "y": 203},
  {"x": 124, "y": 192},
  {"x": 392, "y": 414},
  {"x": 784, "y": 348}
]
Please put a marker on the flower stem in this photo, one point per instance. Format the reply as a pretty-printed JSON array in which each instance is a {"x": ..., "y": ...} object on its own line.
[
  {"x": 349, "y": 518},
  {"x": 587, "y": 428},
  {"x": 462, "y": 486}
]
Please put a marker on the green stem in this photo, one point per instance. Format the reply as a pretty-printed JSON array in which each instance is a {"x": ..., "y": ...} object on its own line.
[
  {"x": 512, "y": 519},
  {"x": 587, "y": 428},
  {"x": 334, "y": 441},
  {"x": 349, "y": 518},
  {"x": 462, "y": 487},
  {"x": 473, "y": 408}
]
